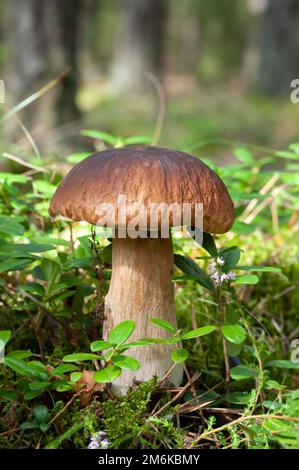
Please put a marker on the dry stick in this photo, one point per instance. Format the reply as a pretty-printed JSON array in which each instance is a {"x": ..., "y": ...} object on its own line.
[
  {"x": 259, "y": 379},
  {"x": 23, "y": 163},
  {"x": 28, "y": 136},
  {"x": 72, "y": 244},
  {"x": 265, "y": 203},
  {"x": 239, "y": 420},
  {"x": 161, "y": 107},
  {"x": 194, "y": 326},
  {"x": 189, "y": 378},
  {"x": 186, "y": 408},
  {"x": 275, "y": 219},
  {"x": 228, "y": 411},
  {"x": 23, "y": 104},
  {"x": 262, "y": 191},
  {"x": 168, "y": 373},
  {"x": 66, "y": 406},
  {"x": 179, "y": 394},
  {"x": 11, "y": 431}
]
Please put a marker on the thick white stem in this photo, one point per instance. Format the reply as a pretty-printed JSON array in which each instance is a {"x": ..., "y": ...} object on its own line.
[{"x": 141, "y": 288}]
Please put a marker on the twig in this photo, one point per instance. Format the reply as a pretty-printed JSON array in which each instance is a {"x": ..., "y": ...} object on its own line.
[
  {"x": 66, "y": 406},
  {"x": 38, "y": 169},
  {"x": 168, "y": 373},
  {"x": 270, "y": 183},
  {"x": 240, "y": 420},
  {"x": 11, "y": 431},
  {"x": 161, "y": 107},
  {"x": 224, "y": 341},
  {"x": 23, "y": 104},
  {"x": 179, "y": 394}
]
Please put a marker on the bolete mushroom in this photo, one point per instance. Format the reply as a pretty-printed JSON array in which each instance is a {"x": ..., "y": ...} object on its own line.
[{"x": 109, "y": 188}]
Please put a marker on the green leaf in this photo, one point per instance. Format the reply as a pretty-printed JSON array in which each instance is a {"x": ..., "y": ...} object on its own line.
[
  {"x": 163, "y": 324},
  {"x": 179, "y": 355},
  {"x": 242, "y": 228},
  {"x": 38, "y": 385},
  {"x": 126, "y": 362},
  {"x": 33, "y": 247},
  {"x": 234, "y": 349},
  {"x": 77, "y": 157},
  {"x": 234, "y": 333},
  {"x": 51, "y": 271},
  {"x": 100, "y": 345},
  {"x": 11, "y": 227},
  {"x": 19, "y": 354},
  {"x": 231, "y": 257},
  {"x": 32, "y": 394},
  {"x": 238, "y": 398},
  {"x": 41, "y": 413},
  {"x": 266, "y": 269},
  {"x": 64, "y": 388},
  {"x": 108, "y": 374},
  {"x": 286, "y": 154},
  {"x": 247, "y": 279},
  {"x": 14, "y": 264},
  {"x": 44, "y": 427},
  {"x": 99, "y": 135},
  {"x": 7, "y": 395},
  {"x": 121, "y": 332},
  {"x": 189, "y": 267},
  {"x": 43, "y": 187},
  {"x": 17, "y": 365},
  {"x": 242, "y": 372},
  {"x": 138, "y": 140},
  {"x": 204, "y": 330},
  {"x": 245, "y": 156},
  {"x": 209, "y": 244},
  {"x": 75, "y": 376},
  {"x": 5, "y": 336},
  {"x": 63, "y": 369},
  {"x": 79, "y": 357},
  {"x": 33, "y": 288},
  {"x": 283, "y": 364}
]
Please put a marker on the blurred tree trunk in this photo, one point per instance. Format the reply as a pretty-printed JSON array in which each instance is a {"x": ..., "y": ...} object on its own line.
[
  {"x": 139, "y": 46},
  {"x": 43, "y": 42},
  {"x": 279, "y": 47}
]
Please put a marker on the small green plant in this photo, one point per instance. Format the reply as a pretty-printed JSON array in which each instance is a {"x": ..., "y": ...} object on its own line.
[
  {"x": 115, "y": 360},
  {"x": 223, "y": 265}
]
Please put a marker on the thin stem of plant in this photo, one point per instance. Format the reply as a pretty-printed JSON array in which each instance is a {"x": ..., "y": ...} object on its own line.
[
  {"x": 224, "y": 341},
  {"x": 204, "y": 435}
]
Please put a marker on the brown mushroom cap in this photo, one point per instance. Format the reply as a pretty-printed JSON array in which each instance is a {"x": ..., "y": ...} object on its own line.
[{"x": 143, "y": 174}]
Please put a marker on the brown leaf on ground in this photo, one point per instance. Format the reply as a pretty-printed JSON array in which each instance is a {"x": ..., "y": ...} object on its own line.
[{"x": 88, "y": 386}]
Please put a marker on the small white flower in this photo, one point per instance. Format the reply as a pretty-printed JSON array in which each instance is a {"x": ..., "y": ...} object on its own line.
[
  {"x": 220, "y": 261},
  {"x": 216, "y": 278},
  {"x": 93, "y": 445},
  {"x": 224, "y": 277},
  {"x": 97, "y": 441},
  {"x": 219, "y": 278},
  {"x": 105, "y": 444},
  {"x": 212, "y": 267}
]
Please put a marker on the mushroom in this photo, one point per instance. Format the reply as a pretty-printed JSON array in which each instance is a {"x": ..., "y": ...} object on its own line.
[{"x": 141, "y": 286}]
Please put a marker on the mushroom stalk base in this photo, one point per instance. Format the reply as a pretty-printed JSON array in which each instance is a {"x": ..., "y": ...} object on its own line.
[{"x": 141, "y": 288}]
